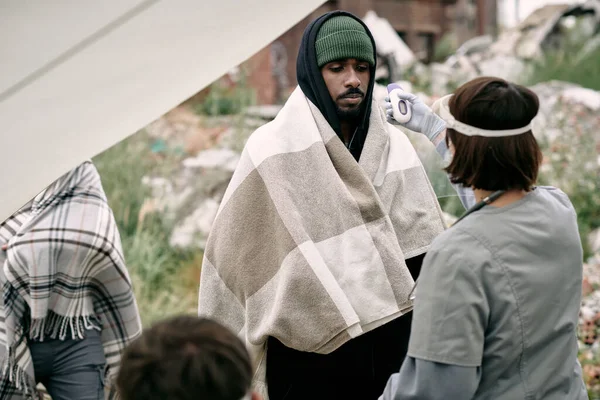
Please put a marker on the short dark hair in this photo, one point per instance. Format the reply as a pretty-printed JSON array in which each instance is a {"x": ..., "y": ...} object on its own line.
[
  {"x": 498, "y": 163},
  {"x": 185, "y": 357}
]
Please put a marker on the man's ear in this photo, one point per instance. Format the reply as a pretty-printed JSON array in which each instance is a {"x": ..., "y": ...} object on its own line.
[{"x": 256, "y": 396}]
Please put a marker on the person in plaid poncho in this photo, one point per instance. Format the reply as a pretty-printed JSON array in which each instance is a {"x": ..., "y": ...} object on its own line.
[{"x": 68, "y": 309}]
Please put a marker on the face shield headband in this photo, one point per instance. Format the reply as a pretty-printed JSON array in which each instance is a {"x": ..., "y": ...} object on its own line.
[{"x": 441, "y": 108}]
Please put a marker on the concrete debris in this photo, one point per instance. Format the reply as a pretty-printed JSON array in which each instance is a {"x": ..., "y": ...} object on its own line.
[
  {"x": 192, "y": 204},
  {"x": 546, "y": 125},
  {"x": 566, "y": 109},
  {"x": 594, "y": 241},
  {"x": 472, "y": 46},
  {"x": 589, "y": 316},
  {"x": 193, "y": 230},
  {"x": 588, "y": 97},
  {"x": 265, "y": 112},
  {"x": 527, "y": 38},
  {"x": 214, "y": 158},
  {"x": 159, "y": 186},
  {"x": 394, "y": 54},
  {"x": 184, "y": 129},
  {"x": 548, "y": 28},
  {"x": 188, "y": 195}
]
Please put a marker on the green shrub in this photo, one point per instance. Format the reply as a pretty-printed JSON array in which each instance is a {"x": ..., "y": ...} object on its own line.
[
  {"x": 227, "y": 101},
  {"x": 156, "y": 268},
  {"x": 444, "y": 48},
  {"x": 573, "y": 167},
  {"x": 576, "y": 63},
  {"x": 121, "y": 169}
]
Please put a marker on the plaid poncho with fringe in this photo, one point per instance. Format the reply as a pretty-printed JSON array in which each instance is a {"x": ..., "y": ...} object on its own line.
[{"x": 63, "y": 272}]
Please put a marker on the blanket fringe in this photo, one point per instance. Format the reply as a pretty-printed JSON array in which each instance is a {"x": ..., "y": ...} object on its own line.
[
  {"x": 55, "y": 326},
  {"x": 18, "y": 377}
]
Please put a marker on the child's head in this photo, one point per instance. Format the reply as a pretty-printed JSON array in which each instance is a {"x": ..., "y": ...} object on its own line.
[{"x": 186, "y": 357}]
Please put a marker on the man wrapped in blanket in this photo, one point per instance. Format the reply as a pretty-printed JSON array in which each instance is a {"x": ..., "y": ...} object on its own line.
[
  {"x": 68, "y": 310},
  {"x": 322, "y": 230}
]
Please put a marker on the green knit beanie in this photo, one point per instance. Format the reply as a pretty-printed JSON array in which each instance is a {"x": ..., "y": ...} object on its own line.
[{"x": 343, "y": 37}]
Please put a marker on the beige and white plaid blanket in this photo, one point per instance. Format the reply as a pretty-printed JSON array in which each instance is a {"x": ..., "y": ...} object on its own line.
[{"x": 308, "y": 245}]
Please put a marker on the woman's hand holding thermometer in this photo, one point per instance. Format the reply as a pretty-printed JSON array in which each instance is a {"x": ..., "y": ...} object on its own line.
[
  {"x": 401, "y": 109},
  {"x": 408, "y": 110}
]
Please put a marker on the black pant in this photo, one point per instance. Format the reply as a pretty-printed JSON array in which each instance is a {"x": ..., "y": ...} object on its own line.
[
  {"x": 70, "y": 368},
  {"x": 357, "y": 370}
]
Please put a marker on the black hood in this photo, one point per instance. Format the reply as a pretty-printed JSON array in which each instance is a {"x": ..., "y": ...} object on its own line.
[{"x": 312, "y": 84}]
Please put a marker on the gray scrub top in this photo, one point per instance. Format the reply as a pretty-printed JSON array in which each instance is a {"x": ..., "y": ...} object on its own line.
[{"x": 500, "y": 292}]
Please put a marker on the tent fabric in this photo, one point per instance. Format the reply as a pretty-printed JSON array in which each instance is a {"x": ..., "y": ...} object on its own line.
[{"x": 78, "y": 77}]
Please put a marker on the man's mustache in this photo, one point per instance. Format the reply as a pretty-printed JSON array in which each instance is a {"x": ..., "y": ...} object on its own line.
[{"x": 350, "y": 92}]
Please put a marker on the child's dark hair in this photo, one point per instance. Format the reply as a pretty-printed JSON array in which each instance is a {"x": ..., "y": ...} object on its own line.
[{"x": 183, "y": 358}]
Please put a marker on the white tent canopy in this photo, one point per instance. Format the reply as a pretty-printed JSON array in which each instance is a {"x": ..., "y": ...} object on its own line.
[{"x": 78, "y": 76}]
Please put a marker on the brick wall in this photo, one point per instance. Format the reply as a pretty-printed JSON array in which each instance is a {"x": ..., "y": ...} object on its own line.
[{"x": 260, "y": 77}]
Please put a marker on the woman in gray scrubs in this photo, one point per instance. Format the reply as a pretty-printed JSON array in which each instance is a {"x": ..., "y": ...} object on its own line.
[{"x": 497, "y": 301}]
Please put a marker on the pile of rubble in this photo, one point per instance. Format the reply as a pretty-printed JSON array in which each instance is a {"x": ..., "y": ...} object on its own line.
[
  {"x": 511, "y": 56},
  {"x": 189, "y": 195},
  {"x": 589, "y": 323}
]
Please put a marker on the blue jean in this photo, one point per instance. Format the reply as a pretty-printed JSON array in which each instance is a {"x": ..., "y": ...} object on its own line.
[{"x": 70, "y": 369}]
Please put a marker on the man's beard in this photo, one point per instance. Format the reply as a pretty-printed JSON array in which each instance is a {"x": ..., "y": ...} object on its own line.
[{"x": 349, "y": 115}]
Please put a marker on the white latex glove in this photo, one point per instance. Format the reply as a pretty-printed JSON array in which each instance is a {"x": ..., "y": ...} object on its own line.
[{"x": 423, "y": 119}]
